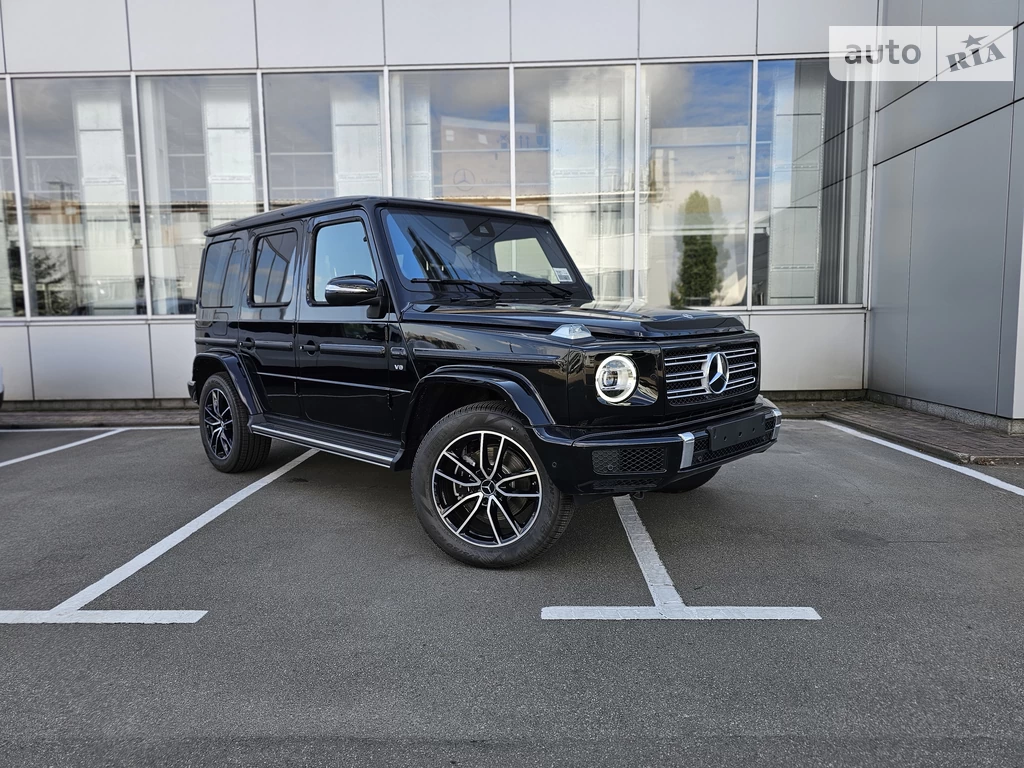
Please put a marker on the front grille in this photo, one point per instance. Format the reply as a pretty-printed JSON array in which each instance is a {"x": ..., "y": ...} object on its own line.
[
  {"x": 684, "y": 371},
  {"x": 629, "y": 461}
]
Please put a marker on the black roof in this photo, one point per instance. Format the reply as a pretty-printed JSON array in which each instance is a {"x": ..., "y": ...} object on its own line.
[{"x": 305, "y": 210}]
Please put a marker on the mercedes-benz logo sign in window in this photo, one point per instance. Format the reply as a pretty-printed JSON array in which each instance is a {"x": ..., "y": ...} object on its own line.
[{"x": 716, "y": 373}]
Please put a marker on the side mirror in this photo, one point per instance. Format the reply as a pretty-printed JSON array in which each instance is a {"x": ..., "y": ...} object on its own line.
[{"x": 351, "y": 291}]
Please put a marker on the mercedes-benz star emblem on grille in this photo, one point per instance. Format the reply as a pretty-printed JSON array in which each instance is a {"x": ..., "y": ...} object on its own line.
[{"x": 716, "y": 373}]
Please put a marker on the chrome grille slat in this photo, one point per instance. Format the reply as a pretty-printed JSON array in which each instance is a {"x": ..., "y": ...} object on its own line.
[{"x": 684, "y": 373}]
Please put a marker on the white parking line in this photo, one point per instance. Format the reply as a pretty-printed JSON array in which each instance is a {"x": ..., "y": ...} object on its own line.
[
  {"x": 1001, "y": 484},
  {"x": 69, "y": 612},
  {"x": 668, "y": 604},
  {"x": 59, "y": 448},
  {"x": 31, "y": 430}
]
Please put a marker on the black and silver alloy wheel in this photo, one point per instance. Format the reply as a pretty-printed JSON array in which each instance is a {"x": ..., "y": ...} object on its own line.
[
  {"x": 486, "y": 489},
  {"x": 229, "y": 444},
  {"x": 217, "y": 422},
  {"x": 481, "y": 491}
]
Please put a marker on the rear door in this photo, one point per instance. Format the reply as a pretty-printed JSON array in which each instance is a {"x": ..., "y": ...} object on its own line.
[
  {"x": 341, "y": 351},
  {"x": 266, "y": 335}
]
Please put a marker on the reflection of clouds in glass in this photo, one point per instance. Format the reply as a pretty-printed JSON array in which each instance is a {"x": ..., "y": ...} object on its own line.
[{"x": 698, "y": 144}]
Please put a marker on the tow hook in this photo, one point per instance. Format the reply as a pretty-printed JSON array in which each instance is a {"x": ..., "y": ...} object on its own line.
[{"x": 637, "y": 495}]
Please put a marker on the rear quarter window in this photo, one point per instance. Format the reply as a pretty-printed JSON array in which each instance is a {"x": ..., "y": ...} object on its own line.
[{"x": 222, "y": 270}]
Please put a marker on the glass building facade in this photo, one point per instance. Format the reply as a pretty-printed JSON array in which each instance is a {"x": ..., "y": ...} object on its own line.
[{"x": 733, "y": 184}]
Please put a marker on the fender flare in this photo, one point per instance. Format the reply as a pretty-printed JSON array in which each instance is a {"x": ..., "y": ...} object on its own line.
[
  {"x": 235, "y": 370},
  {"x": 510, "y": 385}
]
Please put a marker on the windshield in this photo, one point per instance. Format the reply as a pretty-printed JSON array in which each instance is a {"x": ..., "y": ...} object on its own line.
[{"x": 481, "y": 254}]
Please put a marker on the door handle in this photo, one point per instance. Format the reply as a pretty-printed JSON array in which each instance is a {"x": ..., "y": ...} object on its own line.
[
  {"x": 310, "y": 347},
  {"x": 247, "y": 344}
]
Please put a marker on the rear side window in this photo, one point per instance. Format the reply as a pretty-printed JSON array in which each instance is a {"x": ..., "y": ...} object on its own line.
[
  {"x": 272, "y": 268},
  {"x": 221, "y": 274}
]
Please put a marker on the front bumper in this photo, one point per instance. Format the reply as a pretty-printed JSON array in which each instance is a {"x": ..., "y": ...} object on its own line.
[{"x": 630, "y": 461}]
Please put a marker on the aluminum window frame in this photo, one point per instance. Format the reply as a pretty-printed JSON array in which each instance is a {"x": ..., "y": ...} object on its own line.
[{"x": 384, "y": 71}]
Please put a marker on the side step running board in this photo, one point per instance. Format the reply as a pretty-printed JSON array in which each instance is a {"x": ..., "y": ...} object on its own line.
[{"x": 359, "y": 454}]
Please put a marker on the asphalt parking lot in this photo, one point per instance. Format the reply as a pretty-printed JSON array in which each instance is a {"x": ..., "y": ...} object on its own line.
[{"x": 336, "y": 633}]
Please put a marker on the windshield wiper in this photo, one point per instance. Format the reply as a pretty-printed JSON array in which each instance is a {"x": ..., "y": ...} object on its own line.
[
  {"x": 554, "y": 290},
  {"x": 482, "y": 288}
]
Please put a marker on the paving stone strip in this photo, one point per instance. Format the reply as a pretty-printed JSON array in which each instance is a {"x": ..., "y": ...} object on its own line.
[{"x": 946, "y": 439}]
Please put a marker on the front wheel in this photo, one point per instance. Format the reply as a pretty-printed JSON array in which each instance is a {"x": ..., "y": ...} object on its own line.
[{"x": 482, "y": 493}]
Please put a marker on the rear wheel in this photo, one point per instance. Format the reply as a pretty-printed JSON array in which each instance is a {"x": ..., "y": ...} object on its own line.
[
  {"x": 690, "y": 482},
  {"x": 229, "y": 444},
  {"x": 482, "y": 493}
]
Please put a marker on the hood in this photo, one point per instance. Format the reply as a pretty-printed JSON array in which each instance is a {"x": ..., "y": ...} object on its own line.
[{"x": 601, "y": 320}]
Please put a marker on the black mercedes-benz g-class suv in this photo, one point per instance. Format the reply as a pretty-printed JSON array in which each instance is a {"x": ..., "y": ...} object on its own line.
[{"x": 464, "y": 343}]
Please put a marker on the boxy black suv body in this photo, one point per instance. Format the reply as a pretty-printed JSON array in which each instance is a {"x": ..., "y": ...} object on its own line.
[{"x": 463, "y": 343}]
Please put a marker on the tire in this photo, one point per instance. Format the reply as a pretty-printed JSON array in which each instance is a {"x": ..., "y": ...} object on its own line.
[
  {"x": 689, "y": 483},
  {"x": 232, "y": 448},
  {"x": 501, "y": 514}
]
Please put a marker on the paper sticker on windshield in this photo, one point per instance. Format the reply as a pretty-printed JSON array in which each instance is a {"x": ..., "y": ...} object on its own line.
[{"x": 563, "y": 275}]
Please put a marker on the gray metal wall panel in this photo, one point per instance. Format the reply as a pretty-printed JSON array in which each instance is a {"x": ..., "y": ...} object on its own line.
[
  {"x": 958, "y": 12},
  {"x": 697, "y": 28},
  {"x": 347, "y": 33},
  {"x": 543, "y": 30},
  {"x": 1011, "y": 341},
  {"x": 16, "y": 362},
  {"x": 91, "y": 361},
  {"x": 956, "y": 265},
  {"x": 898, "y": 13},
  {"x": 457, "y": 32},
  {"x": 890, "y": 274},
  {"x": 173, "y": 347},
  {"x": 65, "y": 35},
  {"x": 801, "y": 26},
  {"x": 192, "y": 34},
  {"x": 932, "y": 110},
  {"x": 1018, "y": 75}
]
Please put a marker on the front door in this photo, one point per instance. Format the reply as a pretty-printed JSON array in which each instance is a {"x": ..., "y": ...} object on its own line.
[
  {"x": 342, "y": 357},
  {"x": 266, "y": 322}
]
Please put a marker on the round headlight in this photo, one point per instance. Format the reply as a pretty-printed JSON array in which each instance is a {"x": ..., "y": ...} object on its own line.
[{"x": 616, "y": 379}]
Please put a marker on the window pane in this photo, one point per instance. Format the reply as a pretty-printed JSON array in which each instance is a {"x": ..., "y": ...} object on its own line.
[
  {"x": 574, "y": 165},
  {"x": 810, "y": 198},
  {"x": 221, "y": 274},
  {"x": 12, "y": 298},
  {"x": 272, "y": 273},
  {"x": 80, "y": 193},
  {"x": 201, "y": 163},
  {"x": 324, "y": 136},
  {"x": 694, "y": 198},
  {"x": 450, "y": 135},
  {"x": 341, "y": 251}
]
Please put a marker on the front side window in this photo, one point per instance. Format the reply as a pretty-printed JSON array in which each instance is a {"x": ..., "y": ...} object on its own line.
[
  {"x": 340, "y": 250},
  {"x": 221, "y": 274},
  {"x": 506, "y": 255},
  {"x": 272, "y": 268}
]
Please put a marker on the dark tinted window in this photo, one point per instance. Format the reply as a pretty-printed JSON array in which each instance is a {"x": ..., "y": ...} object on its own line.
[
  {"x": 272, "y": 271},
  {"x": 341, "y": 250},
  {"x": 221, "y": 274}
]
